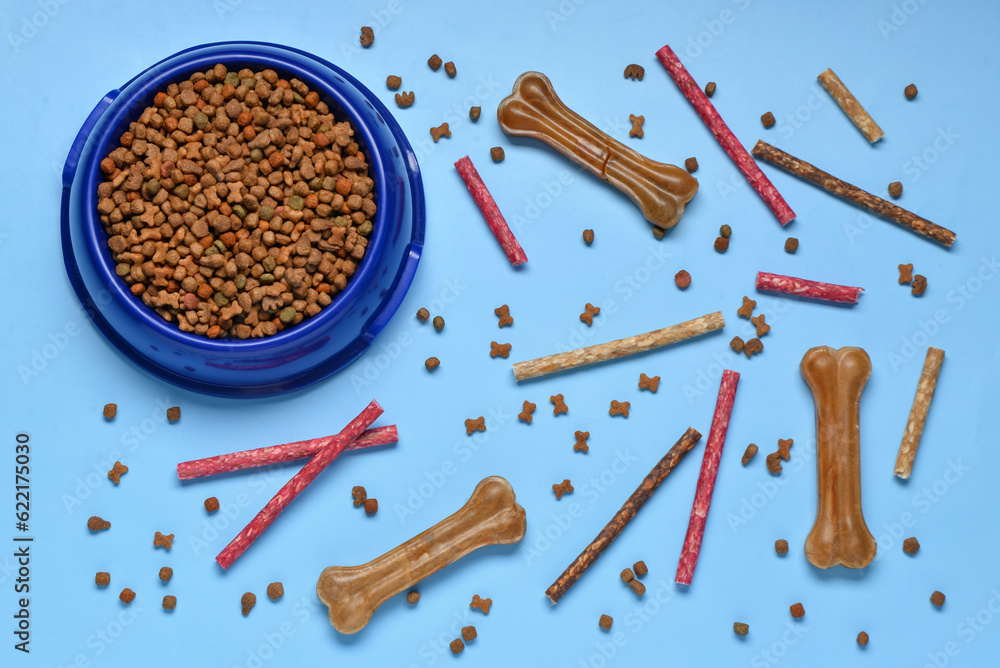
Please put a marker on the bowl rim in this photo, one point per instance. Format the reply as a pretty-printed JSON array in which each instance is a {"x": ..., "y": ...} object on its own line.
[{"x": 96, "y": 134}]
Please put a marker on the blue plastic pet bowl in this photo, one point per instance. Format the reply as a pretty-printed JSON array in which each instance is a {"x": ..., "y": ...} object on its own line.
[{"x": 303, "y": 354}]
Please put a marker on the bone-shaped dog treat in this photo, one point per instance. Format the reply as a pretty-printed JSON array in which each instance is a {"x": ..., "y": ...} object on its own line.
[
  {"x": 840, "y": 535},
  {"x": 534, "y": 110},
  {"x": 490, "y": 517}
]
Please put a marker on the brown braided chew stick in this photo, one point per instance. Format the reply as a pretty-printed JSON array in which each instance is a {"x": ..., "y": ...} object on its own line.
[
  {"x": 628, "y": 510},
  {"x": 614, "y": 349},
  {"x": 862, "y": 119},
  {"x": 918, "y": 413},
  {"x": 853, "y": 194}
]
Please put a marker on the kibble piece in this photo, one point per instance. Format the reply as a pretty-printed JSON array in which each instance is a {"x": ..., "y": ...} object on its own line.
[
  {"x": 457, "y": 646},
  {"x": 647, "y": 383},
  {"x": 721, "y": 244},
  {"x": 919, "y": 285},
  {"x": 367, "y": 36},
  {"x": 862, "y": 638},
  {"x": 588, "y": 237},
  {"x": 725, "y": 231},
  {"x": 440, "y": 131},
  {"x": 110, "y": 410},
  {"x": 371, "y": 506},
  {"x": 211, "y": 504},
  {"x": 392, "y": 82},
  {"x": 606, "y": 622},
  {"x": 499, "y": 349},
  {"x": 474, "y": 113},
  {"x": 797, "y": 610},
  {"x": 737, "y": 344},
  {"x": 619, "y": 408},
  {"x": 740, "y": 628},
  {"x": 174, "y": 413},
  {"x": 482, "y": 604},
  {"x": 562, "y": 488},
  {"x": 762, "y": 327},
  {"x": 95, "y": 523},
  {"x": 937, "y": 598},
  {"x": 275, "y": 590},
  {"x": 432, "y": 363},
  {"x": 479, "y": 424},
  {"x": 527, "y": 409},
  {"x": 682, "y": 279},
  {"x": 169, "y": 602},
  {"x": 413, "y": 597},
  {"x": 781, "y": 546},
  {"x": 634, "y": 72},
  {"x": 773, "y": 463},
  {"x": 911, "y": 545},
  {"x": 159, "y": 540},
  {"x": 791, "y": 245},
  {"x": 449, "y": 68},
  {"x": 637, "y": 122},
  {"x": 434, "y": 62},
  {"x": 627, "y": 575},
  {"x": 710, "y": 88},
  {"x": 247, "y": 601},
  {"x": 658, "y": 232},
  {"x": 910, "y": 92},
  {"x": 691, "y": 164},
  {"x": 750, "y": 452},
  {"x": 360, "y": 495},
  {"x": 102, "y": 579},
  {"x": 558, "y": 404},
  {"x": 166, "y": 573},
  {"x": 767, "y": 119},
  {"x": 127, "y": 596},
  {"x": 905, "y": 274},
  {"x": 637, "y": 587},
  {"x": 116, "y": 472},
  {"x": 403, "y": 100},
  {"x": 497, "y": 154},
  {"x": 581, "y": 441},
  {"x": 747, "y": 309},
  {"x": 895, "y": 189},
  {"x": 438, "y": 323},
  {"x": 589, "y": 311},
  {"x": 503, "y": 312},
  {"x": 423, "y": 314},
  {"x": 752, "y": 347},
  {"x": 640, "y": 569},
  {"x": 469, "y": 633}
]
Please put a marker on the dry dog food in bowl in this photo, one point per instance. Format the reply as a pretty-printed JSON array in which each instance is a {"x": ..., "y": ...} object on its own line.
[{"x": 313, "y": 322}]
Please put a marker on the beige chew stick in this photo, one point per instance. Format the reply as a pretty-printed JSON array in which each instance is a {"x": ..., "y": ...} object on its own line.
[
  {"x": 861, "y": 118},
  {"x": 918, "y": 413},
  {"x": 620, "y": 348}
]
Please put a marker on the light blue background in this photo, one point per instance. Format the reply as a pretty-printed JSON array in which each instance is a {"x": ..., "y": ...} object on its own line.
[{"x": 764, "y": 56}]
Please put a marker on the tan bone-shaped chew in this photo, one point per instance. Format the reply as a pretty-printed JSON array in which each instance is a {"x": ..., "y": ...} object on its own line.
[
  {"x": 534, "y": 110},
  {"x": 490, "y": 517},
  {"x": 840, "y": 535}
]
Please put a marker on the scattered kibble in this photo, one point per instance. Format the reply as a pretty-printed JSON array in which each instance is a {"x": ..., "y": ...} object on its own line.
[
  {"x": 423, "y": 314},
  {"x": 95, "y": 523},
  {"x": 647, "y": 383},
  {"x": 895, "y": 189},
  {"x": 937, "y": 598},
  {"x": 589, "y": 311},
  {"x": 640, "y": 569},
  {"x": 785, "y": 447},
  {"x": 737, "y": 344},
  {"x": 247, "y": 601},
  {"x": 440, "y": 131},
  {"x": 497, "y": 154},
  {"x": 392, "y": 82},
  {"x": 169, "y": 602},
  {"x": 905, "y": 274},
  {"x": 797, "y": 610},
  {"x": 658, "y": 232},
  {"x": 116, "y": 472},
  {"x": 627, "y": 575},
  {"x": 740, "y": 628},
  {"x": 691, "y": 164},
  {"x": 710, "y": 88},
  {"x": 503, "y": 312},
  {"x": 682, "y": 279},
  {"x": 481, "y": 604},
  {"x": 721, "y": 244},
  {"x": 725, "y": 231},
  {"x": 558, "y": 404},
  {"x": 588, "y": 237},
  {"x": 159, "y": 540},
  {"x": 211, "y": 504},
  {"x": 606, "y": 622},
  {"x": 752, "y": 347},
  {"x": 166, "y": 573},
  {"x": 449, "y": 69},
  {"x": 791, "y": 245},
  {"x": 438, "y": 323},
  {"x": 911, "y": 545},
  {"x": 359, "y": 494},
  {"x": 773, "y": 463},
  {"x": 405, "y": 99},
  {"x": 102, "y": 579},
  {"x": 762, "y": 327},
  {"x": 371, "y": 506},
  {"x": 434, "y": 62},
  {"x": 367, "y": 36},
  {"x": 637, "y": 122},
  {"x": 474, "y": 113},
  {"x": 750, "y": 452},
  {"x": 457, "y": 646},
  {"x": 747, "y": 309},
  {"x": 581, "y": 441},
  {"x": 862, "y": 638},
  {"x": 910, "y": 92},
  {"x": 619, "y": 408},
  {"x": 469, "y": 633},
  {"x": 637, "y": 587},
  {"x": 634, "y": 72},
  {"x": 767, "y": 119},
  {"x": 499, "y": 349},
  {"x": 127, "y": 596},
  {"x": 432, "y": 363},
  {"x": 479, "y": 424},
  {"x": 919, "y": 285},
  {"x": 110, "y": 410},
  {"x": 526, "y": 410},
  {"x": 781, "y": 546},
  {"x": 562, "y": 488},
  {"x": 174, "y": 413},
  {"x": 275, "y": 590},
  {"x": 413, "y": 597}
]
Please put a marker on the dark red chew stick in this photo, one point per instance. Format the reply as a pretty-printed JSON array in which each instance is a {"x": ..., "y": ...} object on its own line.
[
  {"x": 491, "y": 212},
  {"x": 706, "y": 479},
  {"x": 801, "y": 287},
  {"x": 696, "y": 96},
  {"x": 299, "y": 482},
  {"x": 624, "y": 515},
  {"x": 278, "y": 454}
]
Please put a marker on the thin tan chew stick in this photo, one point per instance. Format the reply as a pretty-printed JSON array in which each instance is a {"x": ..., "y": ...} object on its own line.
[
  {"x": 918, "y": 414},
  {"x": 861, "y": 118},
  {"x": 620, "y": 348}
]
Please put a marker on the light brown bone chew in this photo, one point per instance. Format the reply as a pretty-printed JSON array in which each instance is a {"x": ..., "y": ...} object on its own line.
[
  {"x": 862, "y": 119},
  {"x": 490, "y": 517},
  {"x": 918, "y": 413},
  {"x": 840, "y": 535},
  {"x": 534, "y": 110}
]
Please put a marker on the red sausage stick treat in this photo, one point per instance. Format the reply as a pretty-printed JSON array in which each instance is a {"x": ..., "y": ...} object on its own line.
[
  {"x": 801, "y": 287},
  {"x": 696, "y": 96},
  {"x": 491, "y": 212},
  {"x": 706, "y": 480},
  {"x": 279, "y": 454},
  {"x": 299, "y": 482},
  {"x": 624, "y": 515}
]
